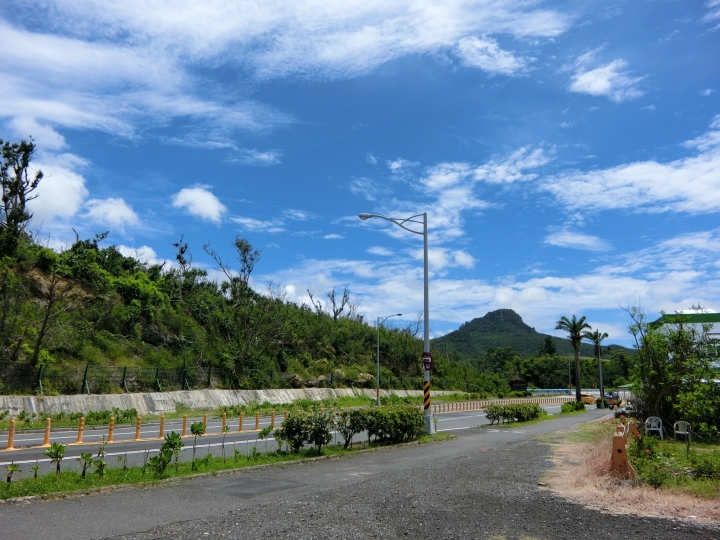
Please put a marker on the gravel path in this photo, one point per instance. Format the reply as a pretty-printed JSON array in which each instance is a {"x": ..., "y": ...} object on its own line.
[{"x": 472, "y": 487}]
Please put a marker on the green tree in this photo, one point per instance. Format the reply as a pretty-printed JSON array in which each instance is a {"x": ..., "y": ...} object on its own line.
[
  {"x": 574, "y": 329},
  {"x": 18, "y": 185},
  {"x": 596, "y": 338},
  {"x": 548, "y": 347},
  {"x": 673, "y": 368}
]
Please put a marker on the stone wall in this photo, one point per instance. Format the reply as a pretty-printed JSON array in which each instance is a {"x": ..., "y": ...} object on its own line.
[{"x": 164, "y": 402}]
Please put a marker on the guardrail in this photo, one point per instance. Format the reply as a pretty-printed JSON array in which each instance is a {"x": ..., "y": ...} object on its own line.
[{"x": 437, "y": 407}]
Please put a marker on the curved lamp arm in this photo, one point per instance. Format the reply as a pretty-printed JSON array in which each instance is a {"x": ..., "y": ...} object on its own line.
[{"x": 397, "y": 221}]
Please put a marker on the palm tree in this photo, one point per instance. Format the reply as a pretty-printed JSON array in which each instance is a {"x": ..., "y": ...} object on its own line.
[
  {"x": 596, "y": 339},
  {"x": 574, "y": 328}
]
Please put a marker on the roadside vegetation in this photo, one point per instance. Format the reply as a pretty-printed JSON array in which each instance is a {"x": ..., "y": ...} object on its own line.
[
  {"x": 302, "y": 436},
  {"x": 671, "y": 481}
]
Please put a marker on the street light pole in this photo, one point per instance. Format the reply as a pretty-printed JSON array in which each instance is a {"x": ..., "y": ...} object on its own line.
[
  {"x": 377, "y": 380},
  {"x": 427, "y": 356}
]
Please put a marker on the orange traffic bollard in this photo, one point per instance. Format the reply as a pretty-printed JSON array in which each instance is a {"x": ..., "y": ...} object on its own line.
[
  {"x": 162, "y": 427},
  {"x": 138, "y": 423},
  {"x": 257, "y": 421},
  {"x": 272, "y": 419},
  {"x": 81, "y": 430},
  {"x": 48, "y": 424},
  {"x": 184, "y": 428},
  {"x": 619, "y": 462},
  {"x": 240, "y": 422},
  {"x": 111, "y": 429},
  {"x": 11, "y": 436}
]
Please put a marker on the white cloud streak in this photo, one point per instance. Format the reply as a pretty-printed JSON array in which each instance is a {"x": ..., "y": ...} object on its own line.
[
  {"x": 611, "y": 80},
  {"x": 690, "y": 184},
  {"x": 576, "y": 240},
  {"x": 487, "y": 55}
]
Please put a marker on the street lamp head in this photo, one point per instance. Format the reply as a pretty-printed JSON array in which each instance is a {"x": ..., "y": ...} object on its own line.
[
  {"x": 364, "y": 216},
  {"x": 398, "y": 315}
]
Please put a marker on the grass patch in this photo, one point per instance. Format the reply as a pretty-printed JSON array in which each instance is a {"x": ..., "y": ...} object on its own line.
[
  {"x": 513, "y": 425},
  {"x": 69, "y": 482},
  {"x": 668, "y": 464},
  {"x": 589, "y": 433}
]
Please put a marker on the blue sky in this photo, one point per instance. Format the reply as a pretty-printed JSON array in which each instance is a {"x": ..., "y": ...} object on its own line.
[{"x": 567, "y": 153}]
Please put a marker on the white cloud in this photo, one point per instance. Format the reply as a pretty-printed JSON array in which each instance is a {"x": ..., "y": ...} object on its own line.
[
  {"x": 298, "y": 215},
  {"x": 367, "y": 188},
  {"x": 399, "y": 164},
  {"x": 377, "y": 250},
  {"x": 200, "y": 202},
  {"x": 707, "y": 92},
  {"x": 372, "y": 160},
  {"x": 333, "y": 237},
  {"x": 123, "y": 66},
  {"x": 111, "y": 212},
  {"x": 251, "y": 224},
  {"x": 690, "y": 184},
  {"x": 256, "y": 157},
  {"x": 575, "y": 240},
  {"x": 611, "y": 80},
  {"x": 45, "y": 137},
  {"x": 61, "y": 192},
  {"x": 511, "y": 168},
  {"x": 713, "y": 13},
  {"x": 440, "y": 259},
  {"x": 144, "y": 255},
  {"x": 485, "y": 54}
]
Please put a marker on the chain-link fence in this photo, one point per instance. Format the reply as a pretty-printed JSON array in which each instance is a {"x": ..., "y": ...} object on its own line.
[{"x": 20, "y": 377}]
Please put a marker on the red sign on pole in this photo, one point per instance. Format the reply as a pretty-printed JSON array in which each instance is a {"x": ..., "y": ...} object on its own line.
[{"x": 427, "y": 361}]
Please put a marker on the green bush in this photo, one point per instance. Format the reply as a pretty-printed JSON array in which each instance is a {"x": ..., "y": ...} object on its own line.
[
  {"x": 572, "y": 406},
  {"x": 520, "y": 412},
  {"x": 707, "y": 465},
  {"x": 494, "y": 413}
]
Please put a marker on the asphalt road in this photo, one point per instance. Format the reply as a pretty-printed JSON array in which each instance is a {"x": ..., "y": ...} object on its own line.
[
  {"x": 481, "y": 484},
  {"x": 135, "y": 452}
]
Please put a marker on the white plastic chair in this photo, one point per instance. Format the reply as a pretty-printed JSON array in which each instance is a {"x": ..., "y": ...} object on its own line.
[
  {"x": 681, "y": 427},
  {"x": 653, "y": 423}
]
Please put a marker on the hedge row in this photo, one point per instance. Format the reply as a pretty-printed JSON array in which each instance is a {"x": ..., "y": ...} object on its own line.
[
  {"x": 392, "y": 424},
  {"x": 519, "y": 412}
]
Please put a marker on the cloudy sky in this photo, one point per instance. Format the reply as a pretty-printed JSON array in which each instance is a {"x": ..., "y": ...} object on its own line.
[{"x": 567, "y": 153}]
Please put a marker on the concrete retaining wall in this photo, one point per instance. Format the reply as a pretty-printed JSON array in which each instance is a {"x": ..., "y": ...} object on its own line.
[{"x": 164, "y": 402}]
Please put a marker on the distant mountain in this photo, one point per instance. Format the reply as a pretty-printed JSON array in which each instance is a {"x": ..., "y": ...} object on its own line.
[{"x": 504, "y": 328}]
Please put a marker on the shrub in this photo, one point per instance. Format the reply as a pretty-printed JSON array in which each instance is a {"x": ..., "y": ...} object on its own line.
[
  {"x": 493, "y": 413},
  {"x": 520, "y": 412},
  {"x": 294, "y": 430},
  {"x": 707, "y": 465},
  {"x": 350, "y": 423},
  {"x": 572, "y": 406}
]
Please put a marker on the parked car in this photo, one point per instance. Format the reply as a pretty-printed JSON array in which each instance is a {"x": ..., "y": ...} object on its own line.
[{"x": 587, "y": 399}]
